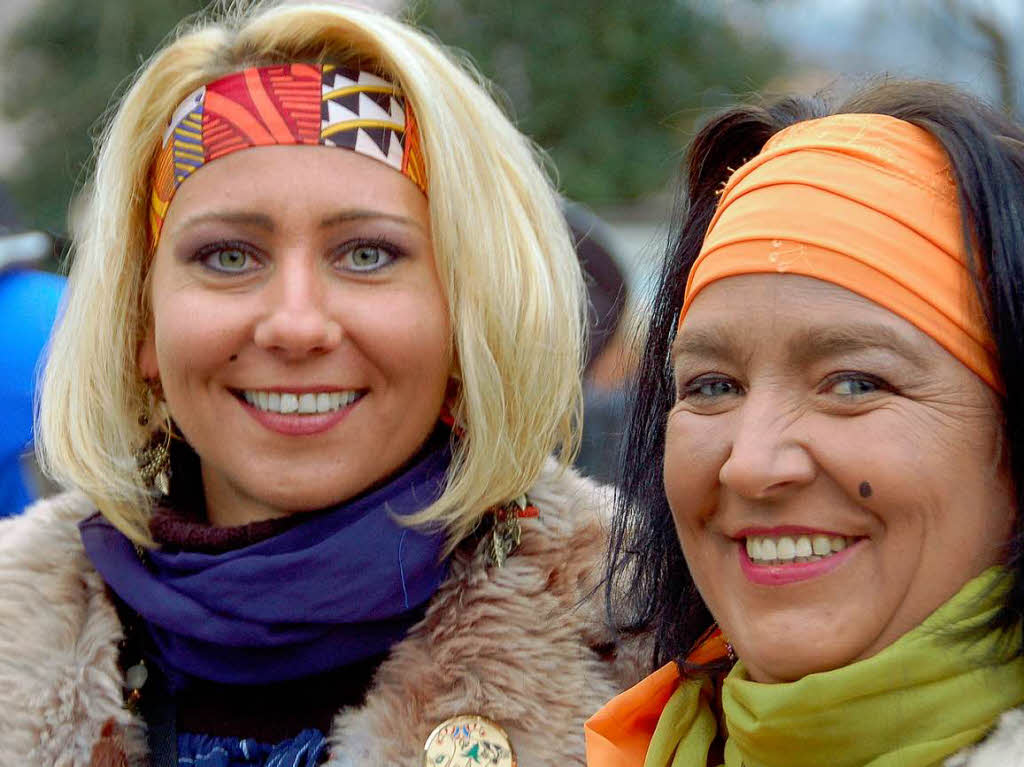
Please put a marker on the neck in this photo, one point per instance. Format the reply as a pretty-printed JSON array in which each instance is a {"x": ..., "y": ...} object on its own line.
[
  {"x": 934, "y": 691},
  {"x": 260, "y": 612},
  {"x": 228, "y": 505}
]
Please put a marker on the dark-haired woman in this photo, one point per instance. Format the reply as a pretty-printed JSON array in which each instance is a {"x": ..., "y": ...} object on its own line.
[{"x": 820, "y": 514}]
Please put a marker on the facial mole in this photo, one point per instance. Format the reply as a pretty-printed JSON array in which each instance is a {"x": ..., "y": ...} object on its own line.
[
  {"x": 865, "y": 489},
  {"x": 232, "y": 358}
]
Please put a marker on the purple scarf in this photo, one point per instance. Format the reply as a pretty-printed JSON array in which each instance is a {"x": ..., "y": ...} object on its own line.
[{"x": 340, "y": 587}]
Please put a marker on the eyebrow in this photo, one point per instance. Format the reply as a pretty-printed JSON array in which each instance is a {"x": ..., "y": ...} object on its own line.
[
  {"x": 807, "y": 346},
  {"x": 266, "y": 222},
  {"x": 715, "y": 342},
  {"x": 346, "y": 216},
  {"x": 814, "y": 344}
]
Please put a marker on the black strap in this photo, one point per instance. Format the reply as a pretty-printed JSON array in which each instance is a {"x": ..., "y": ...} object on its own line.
[
  {"x": 155, "y": 703},
  {"x": 160, "y": 713}
]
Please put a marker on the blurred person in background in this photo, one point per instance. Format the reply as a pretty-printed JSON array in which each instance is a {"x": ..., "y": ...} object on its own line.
[
  {"x": 608, "y": 364},
  {"x": 317, "y": 387},
  {"x": 29, "y": 299},
  {"x": 820, "y": 516}
]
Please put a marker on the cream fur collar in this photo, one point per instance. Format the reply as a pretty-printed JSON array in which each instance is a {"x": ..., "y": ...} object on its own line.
[
  {"x": 525, "y": 645},
  {"x": 1004, "y": 747}
]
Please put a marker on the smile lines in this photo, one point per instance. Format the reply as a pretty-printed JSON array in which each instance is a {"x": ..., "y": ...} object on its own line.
[{"x": 307, "y": 403}]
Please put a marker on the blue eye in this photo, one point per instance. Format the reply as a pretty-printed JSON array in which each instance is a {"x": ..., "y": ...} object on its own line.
[
  {"x": 854, "y": 385},
  {"x": 367, "y": 257},
  {"x": 709, "y": 388}
]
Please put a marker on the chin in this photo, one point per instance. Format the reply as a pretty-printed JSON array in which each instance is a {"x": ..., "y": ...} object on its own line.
[
  {"x": 304, "y": 488},
  {"x": 780, "y": 670},
  {"x": 299, "y": 497},
  {"x": 292, "y": 503},
  {"x": 791, "y": 660}
]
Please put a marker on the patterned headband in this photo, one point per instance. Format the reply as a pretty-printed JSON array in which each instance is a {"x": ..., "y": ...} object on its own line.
[{"x": 287, "y": 104}]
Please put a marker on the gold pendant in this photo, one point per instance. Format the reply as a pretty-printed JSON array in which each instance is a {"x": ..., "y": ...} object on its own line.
[{"x": 468, "y": 740}]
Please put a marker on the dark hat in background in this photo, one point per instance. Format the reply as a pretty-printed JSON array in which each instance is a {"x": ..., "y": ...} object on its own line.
[
  {"x": 9, "y": 219},
  {"x": 606, "y": 284}
]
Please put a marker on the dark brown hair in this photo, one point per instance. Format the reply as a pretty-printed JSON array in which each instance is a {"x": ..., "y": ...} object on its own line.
[{"x": 648, "y": 585}]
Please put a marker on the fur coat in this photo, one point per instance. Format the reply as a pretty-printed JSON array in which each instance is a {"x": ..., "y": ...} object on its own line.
[
  {"x": 525, "y": 645},
  {"x": 1004, "y": 746}
]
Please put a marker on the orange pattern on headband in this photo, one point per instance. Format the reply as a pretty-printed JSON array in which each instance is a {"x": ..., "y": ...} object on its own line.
[
  {"x": 288, "y": 104},
  {"x": 863, "y": 201}
]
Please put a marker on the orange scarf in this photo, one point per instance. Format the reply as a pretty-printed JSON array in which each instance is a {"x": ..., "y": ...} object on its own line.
[
  {"x": 934, "y": 691},
  {"x": 619, "y": 734}
]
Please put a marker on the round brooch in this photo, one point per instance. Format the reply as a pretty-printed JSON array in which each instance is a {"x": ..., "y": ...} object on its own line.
[{"x": 467, "y": 741}]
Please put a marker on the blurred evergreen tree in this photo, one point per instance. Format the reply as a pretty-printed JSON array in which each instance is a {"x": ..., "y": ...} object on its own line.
[
  {"x": 65, "y": 61},
  {"x": 610, "y": 88}
]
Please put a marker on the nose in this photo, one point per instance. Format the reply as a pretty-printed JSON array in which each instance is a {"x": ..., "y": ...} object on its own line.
[
  {"x": 769, "y": 456},
  {"x": 296, "y": 320}
]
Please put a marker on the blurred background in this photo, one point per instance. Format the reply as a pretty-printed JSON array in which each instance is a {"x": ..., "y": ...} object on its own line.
[{"x": 611, "y": 89}]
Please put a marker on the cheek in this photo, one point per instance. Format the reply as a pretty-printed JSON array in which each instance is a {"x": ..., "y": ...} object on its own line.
[
  {"x": 407, "y": 336},
  {"x": 196, "y": 333},
  {"x": 695, "y": 449},
  {"x": 870, "y": 458},
  {"x": 693, "y": 458}
]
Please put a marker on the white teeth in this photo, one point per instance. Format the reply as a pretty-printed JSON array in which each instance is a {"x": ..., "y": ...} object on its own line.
[
  {"x": 307, "y": 403},
  {"x": 785, "y": 549},
  {"x": 803, "y": 546}
]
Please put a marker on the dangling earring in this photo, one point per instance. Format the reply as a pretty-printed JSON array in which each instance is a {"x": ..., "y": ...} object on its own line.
[{"x": 154, "y": 460}]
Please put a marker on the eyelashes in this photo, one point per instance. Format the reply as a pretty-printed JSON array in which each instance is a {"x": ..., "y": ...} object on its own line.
[
  {"x": 849, "y": 386},
  {"x": 709, "y": 387},
  {"x": 369, "y": 255},
  {"x": 228, "y": 257},
  {"x": 357, "y": 256},
  {"x": 853, "y": 383}
]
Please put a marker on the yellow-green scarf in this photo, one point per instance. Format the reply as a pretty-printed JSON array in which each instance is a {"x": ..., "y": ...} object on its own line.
[{"x": 923, "y": 698}]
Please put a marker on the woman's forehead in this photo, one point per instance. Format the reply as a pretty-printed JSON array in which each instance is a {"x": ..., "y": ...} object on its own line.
[
  {"x": 805, "y": 317},
  {"x": 269, "y": 181}
]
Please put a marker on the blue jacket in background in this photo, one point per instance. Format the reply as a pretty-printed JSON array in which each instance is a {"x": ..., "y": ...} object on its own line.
[{"x": 29, "y": 301}]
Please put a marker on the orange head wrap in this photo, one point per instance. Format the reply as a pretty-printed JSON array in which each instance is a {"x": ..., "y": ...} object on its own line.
[{"x": 863, "y": 201}]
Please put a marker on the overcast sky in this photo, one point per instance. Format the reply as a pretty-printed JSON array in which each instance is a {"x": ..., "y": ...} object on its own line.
[{"x": 901, "y": 37}]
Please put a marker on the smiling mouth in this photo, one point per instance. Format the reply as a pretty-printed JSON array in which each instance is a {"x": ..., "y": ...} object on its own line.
[
  {"x": 787, "y": 549},
  {"x": 300, "y": 403}
]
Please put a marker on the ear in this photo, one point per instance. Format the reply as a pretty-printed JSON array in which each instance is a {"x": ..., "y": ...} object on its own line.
[{"x": 146, "y": 357}]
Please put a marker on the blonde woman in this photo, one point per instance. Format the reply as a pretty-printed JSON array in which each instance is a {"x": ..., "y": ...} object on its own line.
[{"x": 315, "y": 389}]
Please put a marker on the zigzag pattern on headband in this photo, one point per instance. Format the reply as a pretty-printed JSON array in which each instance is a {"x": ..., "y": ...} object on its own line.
[{"x": 287, "y": 104}]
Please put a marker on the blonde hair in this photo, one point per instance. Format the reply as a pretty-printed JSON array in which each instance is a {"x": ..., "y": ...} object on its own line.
[{"x": 513, "y": 284}]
